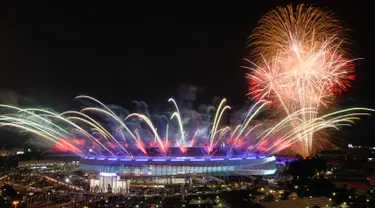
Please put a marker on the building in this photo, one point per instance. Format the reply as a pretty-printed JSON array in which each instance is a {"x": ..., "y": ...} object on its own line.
[
  {"x": 44, "y": 164},
  {"x": 334, "y": 154},
  {"x": 117, "y": 174},
  {"x": 5, "y": 152}
]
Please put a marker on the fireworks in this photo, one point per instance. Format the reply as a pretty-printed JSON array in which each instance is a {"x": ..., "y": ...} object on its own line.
[
  {"x": 84, "y": 133},
  {"x": 298, "y": 63},
  {"x": 287, "y": 27},
  {"x": 298, "y": 66},
  {"x": 98, "y": 131}
]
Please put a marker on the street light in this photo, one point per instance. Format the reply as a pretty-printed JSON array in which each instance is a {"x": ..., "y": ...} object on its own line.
[{"x": 15, "y": 203}]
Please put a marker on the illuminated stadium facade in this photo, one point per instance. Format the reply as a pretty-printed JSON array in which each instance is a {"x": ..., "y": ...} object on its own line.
[{"x": 116, "y": 173}]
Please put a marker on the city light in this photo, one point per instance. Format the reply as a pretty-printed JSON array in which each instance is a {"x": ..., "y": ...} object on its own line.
[
  {"x": 15, "y": 203},
  {"x": 189, "y": 154},
  {"x": 107, "y": 174}
]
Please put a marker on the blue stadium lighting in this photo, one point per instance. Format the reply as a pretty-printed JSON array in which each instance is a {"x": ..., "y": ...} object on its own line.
[
  {"x": 185, "y": 158},
  {"x": 126, "y": 159},
  {"x": 236, "y": 158},
  {"x": 91, "y": 158},
  {"x": 177, "y": 160},
  {"x": 141, "y": 160},
  {"x": 159, "y": 160},
  {"x": 248, "y": 164},
  {"x": 250, "y": 158},
  {"x": 197, "y": 160},
  {"x": 216, "y": 159}
]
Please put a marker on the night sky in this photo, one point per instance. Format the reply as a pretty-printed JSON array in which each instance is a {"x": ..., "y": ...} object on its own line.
[{"x": 51, "y": 52}]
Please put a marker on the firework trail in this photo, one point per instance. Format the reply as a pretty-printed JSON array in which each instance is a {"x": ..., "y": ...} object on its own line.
[
  {"x": 298, "y": 63},
  {"x": 286, "y": 27},
  {"x": 89, "y": 132},
  {"x": 84, "y": 133},
  {"x": 298, "y": 66}
]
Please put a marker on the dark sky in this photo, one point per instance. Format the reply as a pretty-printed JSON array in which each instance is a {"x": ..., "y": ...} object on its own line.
[{"x": 118, "y": 52}]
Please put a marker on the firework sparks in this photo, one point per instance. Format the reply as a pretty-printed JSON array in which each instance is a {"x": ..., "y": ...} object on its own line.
[
  {"x": 298, "y": 63},
  {"x": 80, "y": 133},
  {"x": 298, "y": 66},
  {"x": 63, "y": 129},
  {"x": 287, "y": 27}
]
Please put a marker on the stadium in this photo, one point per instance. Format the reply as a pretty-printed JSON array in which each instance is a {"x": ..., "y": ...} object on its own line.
[{"x": 115, "y": 174}]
